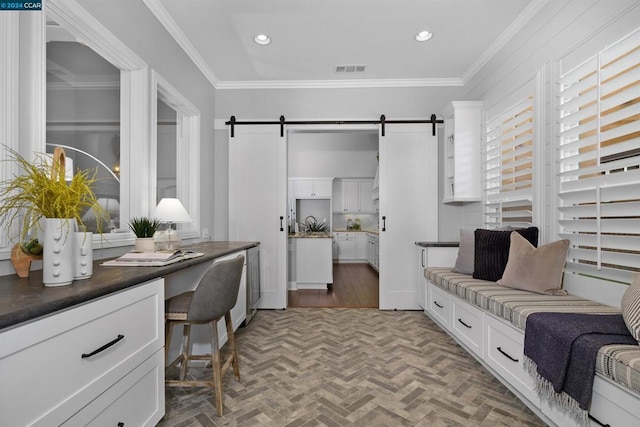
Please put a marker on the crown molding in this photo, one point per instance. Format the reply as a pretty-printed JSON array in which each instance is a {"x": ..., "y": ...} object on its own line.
[
  {"x": 338, "y": 84},
  {"x": 516, "y": 25},
  {"x": 165, "y": 19}
]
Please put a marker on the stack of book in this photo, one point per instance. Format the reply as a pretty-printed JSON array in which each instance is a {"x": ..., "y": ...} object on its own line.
[{"x": 152, "y": 259}]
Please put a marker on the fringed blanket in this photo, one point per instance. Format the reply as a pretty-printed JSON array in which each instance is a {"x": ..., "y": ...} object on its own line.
[{"x": 560, "y": 352}]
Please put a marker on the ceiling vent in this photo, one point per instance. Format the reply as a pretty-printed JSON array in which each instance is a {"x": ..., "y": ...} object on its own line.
[{"x": 350, "y": 69}]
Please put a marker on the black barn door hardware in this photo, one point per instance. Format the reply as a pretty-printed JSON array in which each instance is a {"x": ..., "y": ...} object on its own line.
[{"x": 233, "y": 122}]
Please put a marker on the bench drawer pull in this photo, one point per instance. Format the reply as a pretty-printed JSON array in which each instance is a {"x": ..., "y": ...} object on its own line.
[
  {"x": 103, "y": 348},
  {"x": 438, "y": 305},
  {"x": 597, "y": 421},
  {"x": 467, "y": 326},
  {"x": 507, "y": 355}
]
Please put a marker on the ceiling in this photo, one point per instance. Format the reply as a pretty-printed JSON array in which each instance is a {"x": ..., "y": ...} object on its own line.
[{"x": 311, "y": 37}]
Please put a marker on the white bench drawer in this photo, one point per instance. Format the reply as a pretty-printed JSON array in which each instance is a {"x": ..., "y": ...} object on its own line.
[
  {"x": 505, "y": 354},
  {"x": 129, "y": 401},
  {"x": 439, "y": 305},
  {"x": 613, "y": 405},
  {"x": 121, "y": 330},
  {"x": 467, "y": 325}
]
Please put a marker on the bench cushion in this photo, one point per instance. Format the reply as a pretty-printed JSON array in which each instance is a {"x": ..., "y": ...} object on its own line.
[{"x": 620, "y": 363}]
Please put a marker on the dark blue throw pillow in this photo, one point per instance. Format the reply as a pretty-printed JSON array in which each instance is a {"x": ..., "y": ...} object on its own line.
[{"x": 492, "y": 251}]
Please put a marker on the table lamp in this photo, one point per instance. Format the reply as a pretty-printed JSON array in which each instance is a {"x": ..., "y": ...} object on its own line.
[{"x": 170, "y": 211}]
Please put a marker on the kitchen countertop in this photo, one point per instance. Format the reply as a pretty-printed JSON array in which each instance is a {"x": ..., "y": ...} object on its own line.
[
  {"x": 438, "y": 244},
  {"x": 311, "y": 235},
  {"x": 362, "y": 230},
  {"x": 24, "y": 299}
]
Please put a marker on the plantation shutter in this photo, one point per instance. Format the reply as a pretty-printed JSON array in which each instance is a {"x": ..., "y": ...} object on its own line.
[
  {"x": 598, "y": 158},
  {"x": 508, "y": 172}
]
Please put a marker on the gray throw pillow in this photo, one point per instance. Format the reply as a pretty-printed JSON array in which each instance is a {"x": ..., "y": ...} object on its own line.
[
  {"x": 464, "y": 262},
  {"x": 630, "y": 307}
]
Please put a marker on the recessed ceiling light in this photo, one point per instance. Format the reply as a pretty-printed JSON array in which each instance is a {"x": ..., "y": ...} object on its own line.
[
  {"x": 423, "y": 36},
  {"x": 262, "y": 39}
]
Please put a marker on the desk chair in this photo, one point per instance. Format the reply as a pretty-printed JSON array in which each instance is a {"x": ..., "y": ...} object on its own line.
[{"x": 213, "y": 299}]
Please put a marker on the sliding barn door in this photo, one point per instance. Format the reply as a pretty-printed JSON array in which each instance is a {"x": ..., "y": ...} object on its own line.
[
  {"x": 258, "y": 204},
  {"x": 408, "y": 178}
]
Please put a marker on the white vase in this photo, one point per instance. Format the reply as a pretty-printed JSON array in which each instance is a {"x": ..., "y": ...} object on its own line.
[
  {"x": 58, "y": 253},
  {"x": 83, "y": 259},
  {"x": 145, "y": 244}
]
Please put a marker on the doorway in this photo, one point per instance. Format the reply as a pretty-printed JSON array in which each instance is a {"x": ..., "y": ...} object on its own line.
[{"x": 348, "y": 158}]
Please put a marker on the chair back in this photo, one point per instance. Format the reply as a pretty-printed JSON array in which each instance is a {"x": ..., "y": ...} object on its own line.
[{"x": 217, "y": 291}]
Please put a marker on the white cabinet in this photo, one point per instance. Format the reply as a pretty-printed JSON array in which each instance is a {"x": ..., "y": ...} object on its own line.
[
  {"x": 372, "y": 250},
  {"x": 86, "y": 359},
  {"x": 312, "y": 188},
  {"x": 314, "y": 267},
  {"x": 439, "y": 305},
  {"x": 346, "y": 246},
  {"x": 353, "y": 196},
  {"x": 467, "y": 324},
  {"x": 462, "y": 151},
  {"x": 361, "y": 246}
]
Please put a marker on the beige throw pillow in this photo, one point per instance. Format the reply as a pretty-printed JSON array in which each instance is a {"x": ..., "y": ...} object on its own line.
[
  {"x": 535, "y": 269},
  {"x": 630, "y": 307}
]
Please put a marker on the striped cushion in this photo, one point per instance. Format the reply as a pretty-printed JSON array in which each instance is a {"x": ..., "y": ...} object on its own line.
[
  {"x": 620, "y": 363},
  {"x": 630, "y": 306}
]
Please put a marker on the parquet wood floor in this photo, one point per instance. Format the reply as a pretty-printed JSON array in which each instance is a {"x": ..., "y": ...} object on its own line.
[{"x": 354, "y": 286}]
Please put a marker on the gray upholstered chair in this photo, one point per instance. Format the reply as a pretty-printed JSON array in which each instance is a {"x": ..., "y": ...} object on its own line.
[{"x": 213, "y": 299}]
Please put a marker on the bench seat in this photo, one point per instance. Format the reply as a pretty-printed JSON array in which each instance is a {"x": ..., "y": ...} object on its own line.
[{"x": 620, "y": 363}]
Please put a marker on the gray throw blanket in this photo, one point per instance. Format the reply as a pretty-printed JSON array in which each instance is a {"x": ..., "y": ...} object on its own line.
[{"x": 560, "y": 352}]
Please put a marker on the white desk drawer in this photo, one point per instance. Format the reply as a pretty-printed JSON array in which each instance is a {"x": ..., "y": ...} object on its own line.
[
  {"x": 505, "y": 354},
  {"x": 467, "y": 324},
  {"x": 76, "y": 354},
  {"x": 129, "y": 401},
  {"x": 439, "y": 305}
]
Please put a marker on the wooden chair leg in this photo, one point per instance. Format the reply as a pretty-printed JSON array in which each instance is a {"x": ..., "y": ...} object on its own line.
[
  {"x": 217, "y": 369},
  {"x": 232, "y": 343},
  {"x": 186, "y": 337},
  {"x": 168, "y": 331}
]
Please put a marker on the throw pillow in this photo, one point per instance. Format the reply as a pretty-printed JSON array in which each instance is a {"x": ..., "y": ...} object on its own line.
[
  {"x": 535, "y": 269},
  {"x": 630, "y": 307},
  {"x": 491, "y": 251},
  {"x": 464, "y": 262}
]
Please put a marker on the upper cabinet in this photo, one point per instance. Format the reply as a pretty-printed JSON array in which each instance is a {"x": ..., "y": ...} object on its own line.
[
  {"x": 353, "y": 196},
  {"x": 462, "y": 151},
  {"x": 312, "y": 188}
]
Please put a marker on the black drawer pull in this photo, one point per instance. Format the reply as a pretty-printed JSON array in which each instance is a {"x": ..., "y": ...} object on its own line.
[
  {"x": 597, "y": 421},
  {"x": 120, "y": 424},
  {"x": 460, "y": 320},
  {"x": 103, "y": 348},
  {"x": 438, "y": 305},
  {"x": 506, "y": 355}
]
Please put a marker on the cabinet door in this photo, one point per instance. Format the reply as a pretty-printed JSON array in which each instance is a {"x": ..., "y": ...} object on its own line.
[
  {"x": 361, "y": 246},
  {"x": 336, "y": 200},
  {"x": 303, "y": 188},
  {"x": 365, "y": 198},
  {"x": 258, "y": 204},
  {"x": 422, "y": 264},
  {"x": 350, "y": 196},
  {"x": 323, "y": 188}
]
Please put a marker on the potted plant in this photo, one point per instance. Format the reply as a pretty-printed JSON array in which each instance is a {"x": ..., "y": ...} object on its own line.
[
  {"x": 41, "y": 198},
  {"x": 144, "y": 228}
]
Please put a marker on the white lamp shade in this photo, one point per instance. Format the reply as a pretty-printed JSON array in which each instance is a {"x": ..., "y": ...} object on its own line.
[{"x": 171, "y": 210}]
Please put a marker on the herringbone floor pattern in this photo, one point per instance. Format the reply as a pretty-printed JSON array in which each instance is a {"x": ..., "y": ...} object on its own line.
[{"x": 360, "y": 367}]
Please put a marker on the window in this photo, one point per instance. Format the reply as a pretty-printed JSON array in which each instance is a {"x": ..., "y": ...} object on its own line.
[
  {"x": 508, "y": 167},
  {"x": 599, "y": 156}
]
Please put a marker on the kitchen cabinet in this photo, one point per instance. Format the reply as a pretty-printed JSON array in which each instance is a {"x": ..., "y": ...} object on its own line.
[
  {"x": 312, "y": 188},
  {"x": 372, "y": 250},
  {"x": 84, "y": 360},
  {"x": 346, "y": 245},
  {"x": 353, "y": 196},
  {"x": 462, "y": 151},
  {"x": 361, "y": 246},
  {"x": 314, "y": 267}
]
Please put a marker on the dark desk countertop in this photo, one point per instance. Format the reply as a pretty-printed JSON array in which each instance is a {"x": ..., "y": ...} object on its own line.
[
  {"x": 438, "y": 244},
  {"x": 23, "y": 299}
]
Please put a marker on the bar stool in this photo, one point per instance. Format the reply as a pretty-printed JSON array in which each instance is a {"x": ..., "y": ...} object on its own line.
[{"x": 212, "y": 299}]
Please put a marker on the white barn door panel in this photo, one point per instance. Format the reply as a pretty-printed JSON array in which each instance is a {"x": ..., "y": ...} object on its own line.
[
  {"x": 408, "y": 174},
  {"x": 258, "y": 204}
]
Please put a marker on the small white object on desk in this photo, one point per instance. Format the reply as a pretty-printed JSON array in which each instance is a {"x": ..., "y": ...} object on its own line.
[{"x": 152, "y": 259}]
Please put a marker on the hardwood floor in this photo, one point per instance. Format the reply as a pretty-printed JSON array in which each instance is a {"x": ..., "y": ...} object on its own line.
[{"x": 354, "y": 286}]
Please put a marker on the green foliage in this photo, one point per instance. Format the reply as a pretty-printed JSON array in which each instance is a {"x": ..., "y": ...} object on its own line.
[
  {"x": 144, "y": 227},
  {"x": 38, "y": 193}
]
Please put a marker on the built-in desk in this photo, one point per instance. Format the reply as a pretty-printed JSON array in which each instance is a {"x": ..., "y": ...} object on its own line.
[{"x": 93, "y": 351}]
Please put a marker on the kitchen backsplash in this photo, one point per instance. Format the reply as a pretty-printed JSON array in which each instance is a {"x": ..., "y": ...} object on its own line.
[{"x": 367, "y": 221}]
